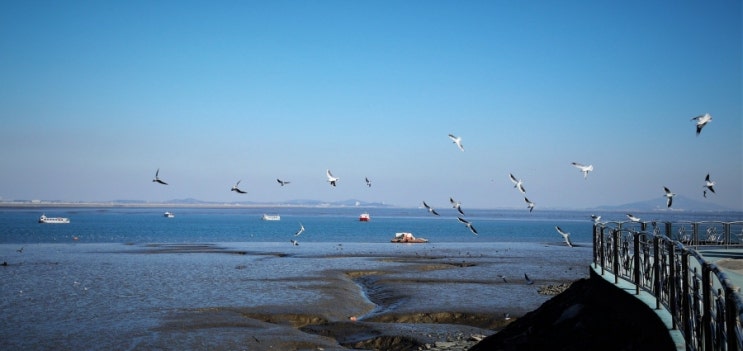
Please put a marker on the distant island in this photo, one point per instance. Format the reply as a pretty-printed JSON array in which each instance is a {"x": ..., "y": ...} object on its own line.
[{"x": 189, "y": 202}]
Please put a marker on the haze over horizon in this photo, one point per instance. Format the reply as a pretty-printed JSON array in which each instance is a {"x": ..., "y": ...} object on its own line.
[{"x": 97, "y": 96}]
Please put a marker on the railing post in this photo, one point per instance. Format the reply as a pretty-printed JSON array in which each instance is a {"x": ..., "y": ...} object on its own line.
[
  {"x": 685, "y": 291},
  {"x": 707, "y": 306},
  {"x": 615, "y": 255},
  {"x": 669, "y": 229},
  {"x": 602, "y": 253},
  {"x": 656, "y": 273},
  {"x": 637, "y": 263},
  {"x": 731, "y": 316},
  {"x": 672, "y": 285}
]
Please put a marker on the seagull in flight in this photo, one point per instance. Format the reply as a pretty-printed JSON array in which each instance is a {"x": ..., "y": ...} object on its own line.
[
  {"x": 529, "y": 204},
  {"x": 528, "y": 281},
  {"x": 236, "y": 189},
  {"x": 457, "y": 205},
  {"x": 565, "y": 235},
  {"x": 583, "y": 168},
  {"x": 429, "y": 208},
  {"x": 332, "y": 180},
  {"x": 702, "y": 121},
  {"x": 282, "y": 182},
  {"x": 368, "y": 182},
  {"x": 157, "y": 178},
  {"x": 517, "y": 183},
  {"x": 709, "y": 185},
  {"x": 457, "y": 140},
  {"x": 633, "y": 218},
  {"x": 20, "y": 250},
  {"x": 294, "y": 242},
  {"x": 669, "y": 197},
  {"x": 300, "y": 231},
  {"x": 468, "y": 224}
]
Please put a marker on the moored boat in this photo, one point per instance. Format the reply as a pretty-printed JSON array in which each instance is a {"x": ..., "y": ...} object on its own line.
[
  {"x": 364, "y": 217},
  {"x": 169, "y": 214},
  {"x": 405, "y": 237},
  {"x": 268, "y": 217},
  {"x": 53, "y": 220}
]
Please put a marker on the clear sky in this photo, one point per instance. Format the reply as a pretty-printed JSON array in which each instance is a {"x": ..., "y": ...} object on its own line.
[{"x": 95, "y": 96}]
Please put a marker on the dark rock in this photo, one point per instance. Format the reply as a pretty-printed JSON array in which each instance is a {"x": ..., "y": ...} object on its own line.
[{"x": 592, "y": 314}]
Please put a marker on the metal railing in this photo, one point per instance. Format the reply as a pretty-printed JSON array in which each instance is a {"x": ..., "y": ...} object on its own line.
[{"x": 662, "y": 260}]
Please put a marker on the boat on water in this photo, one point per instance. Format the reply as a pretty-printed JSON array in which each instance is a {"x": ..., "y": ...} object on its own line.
[
  {"x": 364, "y": 217},
  {"x": 268, "y": 217},
  {"x": 405, "y": 237},
  {"x": 169, "y": 214},
  {"x": 53, "y": 220}
]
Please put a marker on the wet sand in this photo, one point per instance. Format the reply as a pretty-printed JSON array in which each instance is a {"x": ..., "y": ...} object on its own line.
[
  {"x": 273, "y": 296},
  {"x": 405, "y": 299}
]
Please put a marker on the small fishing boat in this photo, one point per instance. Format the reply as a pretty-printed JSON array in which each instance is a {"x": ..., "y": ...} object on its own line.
[
  {"x": 169, "y": 214},
  {"x": 364, "y": 217},
  {"x": 53, "y": 220},
  {"x": 268, "y": 217},
  {"x": 405, "y": 237}
]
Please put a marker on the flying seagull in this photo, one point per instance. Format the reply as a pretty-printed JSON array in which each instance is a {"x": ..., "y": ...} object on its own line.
[
  {"x": 528, "y": 281},
  {"x": 300, "y": 231},
  {"x": 565, "y": 236},
  {"x": 517, "y": 183},
  {"x": 529, "y": 204},
  {"x": 583, "y": 168},
  {"x": 633, "y": 218},
  {"x": 368, "y": 182},
  {"x": 157, "y": 179},
  {"x": 669, "y": 197},
  {"x": 332, "y": 180},
  {"x": 294, "y": 242},
  {"x": 282, "y": 182},
  {"x": 429, "y": 208},
  {"x": 457, "y": 140},
  {"x": 709, "y": 185},
  {"x": 702, "y": 121},
  {"x": 468, "y": 224},
  {"x": 236, "y": 189},
  {"x": 457, "y": 205}
]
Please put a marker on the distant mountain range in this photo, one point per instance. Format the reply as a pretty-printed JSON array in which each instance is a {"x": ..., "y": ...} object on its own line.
[{"x": 680, "y": 203}]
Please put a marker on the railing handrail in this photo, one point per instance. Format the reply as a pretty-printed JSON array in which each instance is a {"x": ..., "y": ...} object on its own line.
[{"x": 704, "y": 304}]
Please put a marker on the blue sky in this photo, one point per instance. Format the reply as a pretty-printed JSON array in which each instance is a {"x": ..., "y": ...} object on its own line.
[{"x": 97, "y": 95}]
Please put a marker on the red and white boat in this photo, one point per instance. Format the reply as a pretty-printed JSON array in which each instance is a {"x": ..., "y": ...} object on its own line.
[{"x": 364, "y": 217}]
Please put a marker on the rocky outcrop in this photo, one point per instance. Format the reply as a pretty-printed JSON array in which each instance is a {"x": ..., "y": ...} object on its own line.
[{"x": 591, "y": 314}]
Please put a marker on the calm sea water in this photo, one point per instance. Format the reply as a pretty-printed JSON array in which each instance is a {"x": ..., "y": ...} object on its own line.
[
  {"x": 134, "y": 279},
  {"x": 196, "y": 225}
]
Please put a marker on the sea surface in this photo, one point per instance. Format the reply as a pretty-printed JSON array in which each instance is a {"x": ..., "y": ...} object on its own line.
[{"x": 130, "y": 278}]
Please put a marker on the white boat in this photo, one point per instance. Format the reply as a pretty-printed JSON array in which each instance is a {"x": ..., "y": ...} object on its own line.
[
  {"x": 53, "y": 220},
  {"x": 169, "y": 214},
  {"x": 268, "y": 217}
]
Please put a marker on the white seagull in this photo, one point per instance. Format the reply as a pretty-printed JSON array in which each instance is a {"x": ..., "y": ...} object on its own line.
[
  {"x": 332, "y": 180},
  {"x": 457, "y": 140},
  {"x": 429, "y": 208},
  {"x": 468, "y": 224},
  {"x": 457, "y": 205},
  {"x": 300, "y": 231},
  {"x": 669, "y": 197},
  {"x": 702, "y": 121},
  {"x": 596, "y": 218},
  {"x": 709, "y": 185},
  {"x": 157, "y": 178},
  {"x": 565, "y": 236},
  {"x": 235, "y": 188},
  {"x": 633, "y": 218},
  {"x": 368, "y": 182},
  {"x": 529, "y": 204},
  {"x": 282, "y": 182},
  {"x": 294, "y": 242},
  {"x": 583, "y": 168},
  {"x": 517, "y": 183}
]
